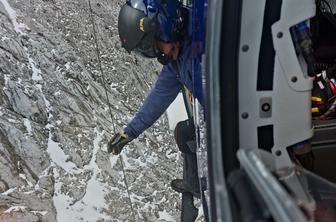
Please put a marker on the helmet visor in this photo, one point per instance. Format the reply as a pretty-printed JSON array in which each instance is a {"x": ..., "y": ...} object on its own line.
[{"x": 138, "y": 4}]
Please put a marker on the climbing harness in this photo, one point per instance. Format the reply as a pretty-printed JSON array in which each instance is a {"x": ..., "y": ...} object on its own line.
[{"x": 109, "y": 106}]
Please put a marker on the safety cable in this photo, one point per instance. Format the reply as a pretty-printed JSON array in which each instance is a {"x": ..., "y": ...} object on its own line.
[{"x": 109, "y": 106}]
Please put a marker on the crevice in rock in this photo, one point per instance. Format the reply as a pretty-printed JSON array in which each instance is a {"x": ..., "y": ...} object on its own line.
[
  {"x": 14, "y": 56},
  {"x": 4, "y": 183}
]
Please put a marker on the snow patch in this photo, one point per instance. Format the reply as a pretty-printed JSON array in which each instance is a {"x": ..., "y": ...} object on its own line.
[
  {"x": 61, "y": 201},
  {"x": 172, "y": 155},
  {"x": 4, "y": 38},
  {"x": 137, "y": 198},
  {"x": 36, "y": 71},
  {"x": 22, "y": 176},
  {"x": 39, "y": 212},
  {"x": 9, "y": 191},
  {"x": 91, "y": 205},
  {"x": 58, "y": 156},
  {"x": 113, "y": 160},
  {"x": 18, "y": 27},
  {"x": 159, "y": 138},
  {"x": 15, "y": 209},
  {"x": 39, "y": 86},
  {"x": 27, "y": 124},
  {"x": 13, "y": 120},
  {"x": 67, "y": 65},
  {"x": 7, "y": 78},
  {"x": 163, "y": 215},
  {"x": 29, "y": 192}
]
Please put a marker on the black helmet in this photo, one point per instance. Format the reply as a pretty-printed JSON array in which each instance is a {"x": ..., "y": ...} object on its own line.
[{"x": 138, "y": 28}]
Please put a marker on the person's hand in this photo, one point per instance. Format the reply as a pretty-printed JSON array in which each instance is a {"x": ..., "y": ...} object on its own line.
[{"x": 117, "y": 143}]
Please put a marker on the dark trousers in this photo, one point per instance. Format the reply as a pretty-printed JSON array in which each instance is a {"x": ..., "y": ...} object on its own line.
[{"x": 186, "y": 142}]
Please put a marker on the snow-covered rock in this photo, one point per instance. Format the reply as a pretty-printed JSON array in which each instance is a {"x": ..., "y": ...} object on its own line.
[{"x": 55, "y": 119}]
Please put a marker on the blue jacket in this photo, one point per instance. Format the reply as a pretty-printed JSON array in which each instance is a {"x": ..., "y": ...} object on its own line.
[{"x": 169, "y": 83}]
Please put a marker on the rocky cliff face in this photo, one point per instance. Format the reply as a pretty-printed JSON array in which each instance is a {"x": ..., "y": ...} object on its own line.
[{"x": 55, "y": 119}]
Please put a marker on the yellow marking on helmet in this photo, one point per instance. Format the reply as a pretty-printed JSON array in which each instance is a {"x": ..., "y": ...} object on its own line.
[{"x": 142, "y": 28}]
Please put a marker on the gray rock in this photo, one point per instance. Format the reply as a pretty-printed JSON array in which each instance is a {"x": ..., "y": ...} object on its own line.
[
  {"x": 47, "y": 183},
  {"x": 54, "y": 127},
  {"x": 32, "y": 107}
]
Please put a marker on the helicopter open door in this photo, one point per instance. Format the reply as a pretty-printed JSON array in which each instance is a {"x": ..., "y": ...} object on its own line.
[{"x": 265, "y": 60}]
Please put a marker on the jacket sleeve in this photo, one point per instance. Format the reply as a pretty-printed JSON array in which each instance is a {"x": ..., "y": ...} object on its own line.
[{"x": 163, "y": 93}]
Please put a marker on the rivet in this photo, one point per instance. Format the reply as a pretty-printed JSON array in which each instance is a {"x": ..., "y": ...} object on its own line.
[
  {"x": 245, "y": 48},
  {"x": 280, "y": 35},
  {"x": 244, "y": 115},
  {"x": 265, "y": 107},
  {"x": 294, "y": 79}
]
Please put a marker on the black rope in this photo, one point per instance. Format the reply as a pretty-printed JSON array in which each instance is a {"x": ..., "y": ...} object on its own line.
[{"x": 109, "y": 106}]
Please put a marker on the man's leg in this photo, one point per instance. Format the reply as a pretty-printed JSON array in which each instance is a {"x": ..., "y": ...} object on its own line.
[
  {"x": 185, "y": 139},
  {"x": 189, "y": 212},
  {"x": 189, "y": 185}
]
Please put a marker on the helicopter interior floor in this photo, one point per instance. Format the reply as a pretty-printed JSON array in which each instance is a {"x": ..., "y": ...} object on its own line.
[{"x": 324, "y": 149}]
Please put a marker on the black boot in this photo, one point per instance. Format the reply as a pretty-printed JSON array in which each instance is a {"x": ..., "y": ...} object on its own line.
[
  {"x": 180, "y": 187},
  {"x": 189, "y": 212}
]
